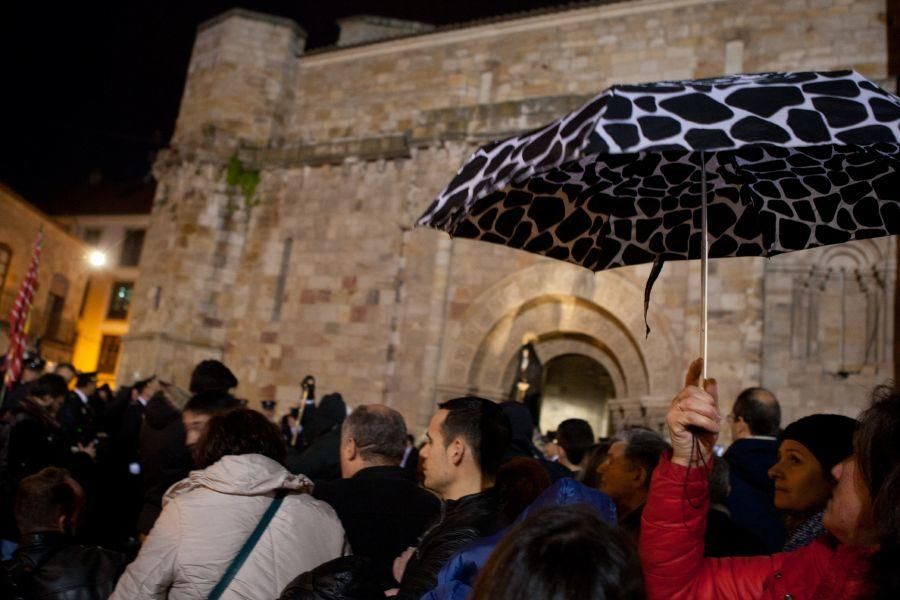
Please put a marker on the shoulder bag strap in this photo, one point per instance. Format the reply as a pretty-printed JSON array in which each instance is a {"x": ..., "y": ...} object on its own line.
[{"x": 247, "y": 548}]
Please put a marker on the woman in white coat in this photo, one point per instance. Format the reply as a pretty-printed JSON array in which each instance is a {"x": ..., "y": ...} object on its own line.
[{"x": 208, "y": 517}]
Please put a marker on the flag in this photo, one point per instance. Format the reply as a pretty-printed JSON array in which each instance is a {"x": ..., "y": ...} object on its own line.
[{"x": 18, "y": 316}]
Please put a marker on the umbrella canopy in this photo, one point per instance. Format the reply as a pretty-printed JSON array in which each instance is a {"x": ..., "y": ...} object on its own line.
[
  {"x": 793, "y": 161},
  {"x": 789, "y": 161}
]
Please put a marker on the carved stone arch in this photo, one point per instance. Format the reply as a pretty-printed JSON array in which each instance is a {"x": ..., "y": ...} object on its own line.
[{"x": 611, "y": 301}]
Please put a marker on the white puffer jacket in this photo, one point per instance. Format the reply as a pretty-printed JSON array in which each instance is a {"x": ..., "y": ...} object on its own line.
[{"x": 206, "y": 519}]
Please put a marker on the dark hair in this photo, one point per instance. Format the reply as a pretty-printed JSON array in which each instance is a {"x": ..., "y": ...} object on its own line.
[
  {"x": 484, "y": 427},
  {"x": 643, "y": 448},
  {"x": 519, "y": 482},
  {"x": 43, "y": 498},
  {"x": 379, "y": 433},
  {"x": 759, "y": 409},
  {"x": 878, "y": 456},
  {"x": 211, "y": 403},
  {"x": 562, "y": 552},
  {"x": 49, "y": 384},
  {"x": 239, "y": 431},
  {"x": 212, "y": 376},
  {"x": 594, "y": 456},
  {"x": 575, "y": 436}
]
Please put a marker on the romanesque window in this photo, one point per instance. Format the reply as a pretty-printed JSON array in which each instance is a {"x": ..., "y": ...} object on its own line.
[
  {"x": 838, "y": 311},
  {"x": 281, "y": 282}
]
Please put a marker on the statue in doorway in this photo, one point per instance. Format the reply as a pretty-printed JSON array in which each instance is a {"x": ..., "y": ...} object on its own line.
[{"x": 528, "y": 382}]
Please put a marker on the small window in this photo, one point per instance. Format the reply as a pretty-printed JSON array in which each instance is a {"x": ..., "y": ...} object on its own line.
[
  {"x": 120, "y": 300},
  {"x": 5, "y": 259},
  {"x": 131, "y": 248},
  {"x": 92, "y": 236},
  {"x": 56, "y": 303},
  {"x": 110, "y": 346}
]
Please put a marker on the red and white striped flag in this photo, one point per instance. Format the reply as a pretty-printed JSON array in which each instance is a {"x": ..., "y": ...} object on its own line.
[{"x": 18, "y": 316}]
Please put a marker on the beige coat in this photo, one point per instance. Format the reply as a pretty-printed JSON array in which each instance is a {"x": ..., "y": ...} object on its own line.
[{"x": 208, "y": 516}]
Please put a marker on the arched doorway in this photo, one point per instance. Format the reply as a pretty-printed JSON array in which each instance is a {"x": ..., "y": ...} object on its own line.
[{"x": 576, "y": 386}]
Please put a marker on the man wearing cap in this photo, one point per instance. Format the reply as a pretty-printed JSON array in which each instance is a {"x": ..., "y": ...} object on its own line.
[
  {"x": 77, "y": 412},
  {"x": 32, "y": 368}
]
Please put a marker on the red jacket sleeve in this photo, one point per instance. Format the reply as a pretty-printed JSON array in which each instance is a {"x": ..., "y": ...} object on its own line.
[{"x": 671, "y": 543}]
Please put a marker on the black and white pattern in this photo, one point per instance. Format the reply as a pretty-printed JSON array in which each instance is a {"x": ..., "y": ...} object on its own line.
[{"x": 793, "y": 161}]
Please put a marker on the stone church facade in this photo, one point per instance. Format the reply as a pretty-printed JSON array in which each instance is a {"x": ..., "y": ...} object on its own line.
[{"x": 313, "y": 267}]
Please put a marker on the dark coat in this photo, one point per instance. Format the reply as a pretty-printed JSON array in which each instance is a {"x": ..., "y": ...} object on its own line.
[
  {"x": 383, "y": 512},
  {"x": 725, "y": 538},
  {"x": 163, "y": 456},
  {"x": 344, "y": 578},
  {"x": 322, "y": 460},
  {"x": 463, "y": 520},
  {"x": 751, "y": 501},
  {"x": 52, "y": 566},
  {"x": 77, "y": 419}
]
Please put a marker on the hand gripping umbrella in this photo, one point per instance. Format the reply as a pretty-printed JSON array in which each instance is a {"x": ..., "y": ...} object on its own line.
[{"x": 745, "y": 165}]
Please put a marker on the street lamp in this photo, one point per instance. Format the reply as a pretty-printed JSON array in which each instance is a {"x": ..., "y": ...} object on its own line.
[{"x": 97, "y": 258}]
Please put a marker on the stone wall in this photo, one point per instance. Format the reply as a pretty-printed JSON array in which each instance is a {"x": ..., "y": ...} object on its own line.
[
  {"x": 62, "y": 260},
  {"x": 325, "y": 276}
]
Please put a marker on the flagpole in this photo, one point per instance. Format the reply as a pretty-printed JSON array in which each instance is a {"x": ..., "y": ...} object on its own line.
[{"x": 704, "y": 266}]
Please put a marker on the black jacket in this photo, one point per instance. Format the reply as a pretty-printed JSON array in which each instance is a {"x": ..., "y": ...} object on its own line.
[
  {"x": 163, "y": 456},
  {"x": 52, "y": 566},
  {"x": 344, "y": 578},
  {"x": 751, "y": 501},
  {"x": 463, "y": 520},
  {"x": 383, "y": 511}
]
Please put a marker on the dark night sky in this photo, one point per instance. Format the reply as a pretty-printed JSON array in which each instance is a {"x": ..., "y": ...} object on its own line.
[{"x": 96, "y": 85}]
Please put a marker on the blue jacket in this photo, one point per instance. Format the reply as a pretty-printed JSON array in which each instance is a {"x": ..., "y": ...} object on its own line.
[{"x": 456, "y": 580}]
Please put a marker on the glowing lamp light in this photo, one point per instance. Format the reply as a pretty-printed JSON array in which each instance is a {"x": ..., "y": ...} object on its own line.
[{"x": 97, "y": 258}]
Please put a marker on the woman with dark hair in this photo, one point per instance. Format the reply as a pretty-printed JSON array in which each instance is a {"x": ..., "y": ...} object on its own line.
[
  {"x": 856, "y": 559},
  {"x": 807, "y": 451},
  {"x": 212, "y": 518},
  {"x": 562, "y": 552}
]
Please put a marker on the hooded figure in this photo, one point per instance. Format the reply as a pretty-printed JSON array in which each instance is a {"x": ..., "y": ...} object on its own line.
[{"x": 322, "y": 460}]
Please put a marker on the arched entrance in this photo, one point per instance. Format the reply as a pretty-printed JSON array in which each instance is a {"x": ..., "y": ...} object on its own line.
[{"x": 576, "y": 387}]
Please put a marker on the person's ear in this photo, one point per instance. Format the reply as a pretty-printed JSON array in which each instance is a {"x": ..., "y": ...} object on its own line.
[
  {"x": 350, "y": 449},
  {"x": 639, "y": 477},
  {"x": 457, "y": 451}
]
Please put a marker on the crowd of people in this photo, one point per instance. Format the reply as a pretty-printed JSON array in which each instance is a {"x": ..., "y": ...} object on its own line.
[{"x": 152, "y": 492}]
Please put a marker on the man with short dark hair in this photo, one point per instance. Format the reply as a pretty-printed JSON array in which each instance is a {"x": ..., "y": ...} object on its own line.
[
  {"x": 382, "y": 508},
  {"x": 49, "y": 563},
  {"x": 465, "y": 444},
  {"x": 755, "y": 422},
  {"x": 626, "y": 472}
]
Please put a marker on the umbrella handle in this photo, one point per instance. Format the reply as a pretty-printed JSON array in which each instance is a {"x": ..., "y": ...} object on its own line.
[{"x": 704, "y": 266}]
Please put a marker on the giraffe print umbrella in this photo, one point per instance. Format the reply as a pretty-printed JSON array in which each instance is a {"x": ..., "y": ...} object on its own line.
[{"x": 773, "y": 162}]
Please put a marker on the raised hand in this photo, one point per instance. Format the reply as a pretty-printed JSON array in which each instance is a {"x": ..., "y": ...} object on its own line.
[{"x": 694, "y": 411}]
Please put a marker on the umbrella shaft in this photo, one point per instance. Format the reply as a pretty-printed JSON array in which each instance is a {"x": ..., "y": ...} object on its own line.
[{"x": 704, "y": 266}]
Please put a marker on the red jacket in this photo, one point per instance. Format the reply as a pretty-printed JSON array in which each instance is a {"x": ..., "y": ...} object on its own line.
[{"x": 671, "y": 549}]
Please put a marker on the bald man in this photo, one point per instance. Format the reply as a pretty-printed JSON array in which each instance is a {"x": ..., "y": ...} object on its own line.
[
  {"x": 382, "y": 508},
  {"x": 755, "y": 422}
]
